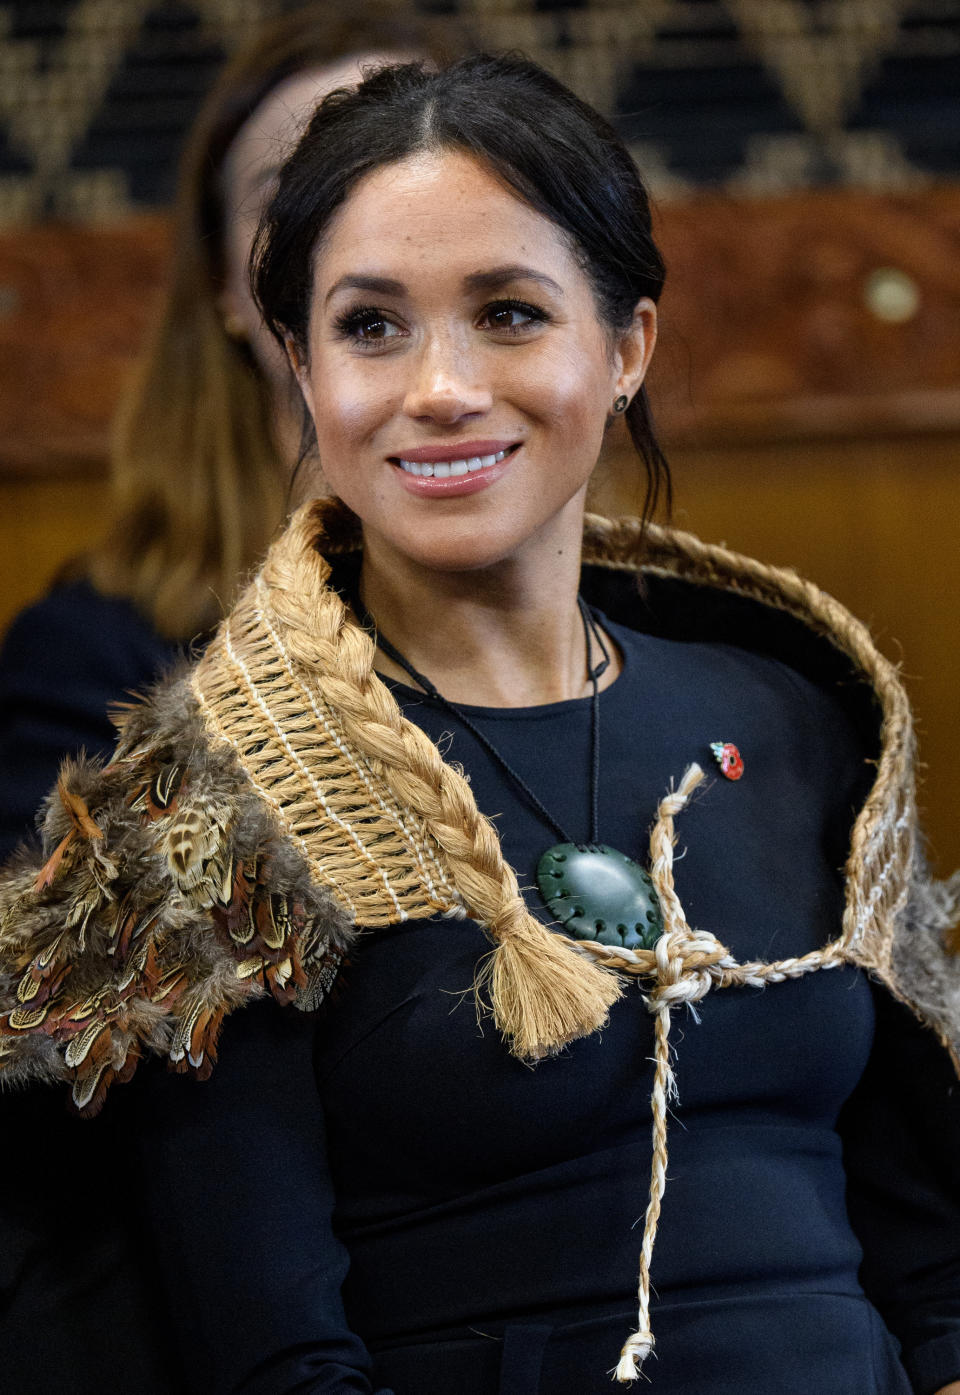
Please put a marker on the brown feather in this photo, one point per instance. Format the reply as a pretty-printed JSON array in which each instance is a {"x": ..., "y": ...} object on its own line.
[
  {"x": 131, "y": 922},
  {"x": 48, "y": 872},
  {"x": 37, "y": 990},
  {"x": 235, "y": 917},
  {"x": 76, "y": 807},
  {"x": 162, "y": 794}
]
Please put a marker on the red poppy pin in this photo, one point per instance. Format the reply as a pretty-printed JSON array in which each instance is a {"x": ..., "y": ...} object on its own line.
[{"x": 728, "y": 758}]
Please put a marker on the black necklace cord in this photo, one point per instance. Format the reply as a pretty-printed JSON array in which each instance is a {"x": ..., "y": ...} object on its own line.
[
  {"x": 591, "y": 633},
  {"x": 590, "y": 627}
]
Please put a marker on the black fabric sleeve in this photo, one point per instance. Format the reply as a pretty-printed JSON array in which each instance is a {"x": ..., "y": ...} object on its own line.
[
  {"x": 239, "y": 1202},
  {"x": 901, "y": 1133},
  {"x": 62, "y": 663}
]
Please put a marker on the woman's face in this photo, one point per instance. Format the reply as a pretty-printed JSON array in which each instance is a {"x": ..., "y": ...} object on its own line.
[
  {"x": 249, "y": 175},
  {"x": 458, "y": 376}
]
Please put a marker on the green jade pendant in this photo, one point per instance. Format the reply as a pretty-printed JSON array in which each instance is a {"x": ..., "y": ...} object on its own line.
[{"x": 598, "y": 893}]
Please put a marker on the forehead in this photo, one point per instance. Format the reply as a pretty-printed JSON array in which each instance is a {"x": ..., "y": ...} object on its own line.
[
  {"x": 268, "y": 136},
  {"x": 438, "y": 212}
]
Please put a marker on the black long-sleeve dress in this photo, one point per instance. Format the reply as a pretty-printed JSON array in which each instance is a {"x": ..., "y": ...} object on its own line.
[{"x": 382, "y": 1198}]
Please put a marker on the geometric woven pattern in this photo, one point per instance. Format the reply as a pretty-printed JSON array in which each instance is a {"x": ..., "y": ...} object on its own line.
[
  {"x": 378, "y": 859},
  {"x": 753, "y": 95}
]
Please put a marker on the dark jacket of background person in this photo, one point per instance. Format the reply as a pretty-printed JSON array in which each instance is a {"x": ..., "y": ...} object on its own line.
[{"x": 63, "y": 662}]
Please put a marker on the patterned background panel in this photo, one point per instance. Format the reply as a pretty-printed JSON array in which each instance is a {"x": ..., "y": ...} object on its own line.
[{"x": 758, "y": 96}]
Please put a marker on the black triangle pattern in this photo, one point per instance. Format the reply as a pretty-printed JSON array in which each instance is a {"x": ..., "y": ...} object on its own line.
[{"x": 697, "y": 93}]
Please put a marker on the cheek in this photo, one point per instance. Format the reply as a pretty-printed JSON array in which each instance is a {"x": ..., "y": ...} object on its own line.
[
  {"x": 349, "y": 403},
  {"x": 570, "y": 392}
]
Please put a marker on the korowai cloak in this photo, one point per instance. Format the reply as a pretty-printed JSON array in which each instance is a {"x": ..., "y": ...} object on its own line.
[{"x": 270, "y": 802}]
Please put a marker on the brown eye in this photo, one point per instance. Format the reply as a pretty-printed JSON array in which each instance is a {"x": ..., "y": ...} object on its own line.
[
  {"x": 511, "y": 316},
  {"x": 374, "y": 327},
  {"x": 505, "y": 317},
  {"x": 367, "y": 326}
]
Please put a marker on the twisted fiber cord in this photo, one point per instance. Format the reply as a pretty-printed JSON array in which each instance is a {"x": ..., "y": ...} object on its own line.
[
  {"x": 882, "y": 840},
  {"x": 684, "y": 964},
  {"x": 672, "y": 973},
  {"x": 544, "y": 993}
]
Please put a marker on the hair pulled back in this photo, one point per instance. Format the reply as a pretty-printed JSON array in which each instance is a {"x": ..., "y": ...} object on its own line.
[{"x": 557, "y": 153}]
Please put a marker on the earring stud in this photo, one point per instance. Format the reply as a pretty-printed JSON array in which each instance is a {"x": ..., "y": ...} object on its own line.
[{"x": 620, "y": 404}]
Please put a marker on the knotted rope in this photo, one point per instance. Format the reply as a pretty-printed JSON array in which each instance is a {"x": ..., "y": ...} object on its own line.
[{"x": 684, "y": 965}]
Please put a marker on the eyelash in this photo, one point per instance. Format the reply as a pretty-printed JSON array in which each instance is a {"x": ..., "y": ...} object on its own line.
[
  {"x": 535, "y": 314},
  {"x": 349, "y": 324}
]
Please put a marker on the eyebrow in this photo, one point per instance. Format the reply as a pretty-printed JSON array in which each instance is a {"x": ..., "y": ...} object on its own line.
[
  {"x": 377, "y": 285},
  {"x": 477, "y": 281},
  {"x": 502, "y": 275}
]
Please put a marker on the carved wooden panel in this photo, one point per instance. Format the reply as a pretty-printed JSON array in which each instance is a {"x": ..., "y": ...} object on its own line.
[
  {"x": 810, "y": 315},
  {"x": 75, "y": 304},
  {"x": 805, "y": 316}
]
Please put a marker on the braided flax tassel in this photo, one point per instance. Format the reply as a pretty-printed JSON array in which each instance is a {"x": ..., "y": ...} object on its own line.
[{"x": 544, "y": 992}]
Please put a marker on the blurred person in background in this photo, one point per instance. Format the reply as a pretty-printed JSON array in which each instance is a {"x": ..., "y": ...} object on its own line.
[
  {"x": 208, "y": 435},
  {"x": 204, "y": 455}
]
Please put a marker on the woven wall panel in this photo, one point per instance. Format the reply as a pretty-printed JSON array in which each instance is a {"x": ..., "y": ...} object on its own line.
[{"x": 758, "y": 96}]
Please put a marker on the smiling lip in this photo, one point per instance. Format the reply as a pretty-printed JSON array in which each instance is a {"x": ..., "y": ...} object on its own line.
[
  {"x": 452, "y": 450},
  {"x": 454, "y": 486}
]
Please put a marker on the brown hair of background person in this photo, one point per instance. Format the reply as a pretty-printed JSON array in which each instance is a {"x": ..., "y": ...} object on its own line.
[{"x": 199, "y": 473}]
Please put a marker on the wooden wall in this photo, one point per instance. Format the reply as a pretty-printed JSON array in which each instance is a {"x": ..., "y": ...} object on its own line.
[{"x": 808, "y": 381}]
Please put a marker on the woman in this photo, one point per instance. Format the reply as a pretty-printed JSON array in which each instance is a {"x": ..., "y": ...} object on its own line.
[
  {"x": 384, "y": 1195},
  {"x": 208, "y": 434}
]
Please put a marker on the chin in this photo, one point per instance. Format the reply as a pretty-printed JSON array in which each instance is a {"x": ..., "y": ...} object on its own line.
[{"x": 461, "y": 549}]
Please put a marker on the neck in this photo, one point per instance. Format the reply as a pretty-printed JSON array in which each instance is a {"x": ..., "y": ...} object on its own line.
[{"x": 509, "y": 635}]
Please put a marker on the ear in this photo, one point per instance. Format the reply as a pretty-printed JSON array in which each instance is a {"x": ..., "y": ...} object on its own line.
[
  {"x": 231, "y": 315},
  {"x": 300, "y": 371},
  {"x": 634, "y": 349}
]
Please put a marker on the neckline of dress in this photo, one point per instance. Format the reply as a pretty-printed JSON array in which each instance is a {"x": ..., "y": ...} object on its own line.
[{"x": 409, "y": 696}]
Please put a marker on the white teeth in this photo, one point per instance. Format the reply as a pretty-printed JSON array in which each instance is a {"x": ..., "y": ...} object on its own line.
[{"x": 443, "y": 469}]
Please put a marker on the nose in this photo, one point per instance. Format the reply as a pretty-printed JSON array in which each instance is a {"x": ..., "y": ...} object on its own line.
[{"x": 447, "y": 382}]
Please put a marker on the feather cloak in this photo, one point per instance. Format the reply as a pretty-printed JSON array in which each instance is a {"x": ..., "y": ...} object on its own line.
[{"x": 270, "y": 802}]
